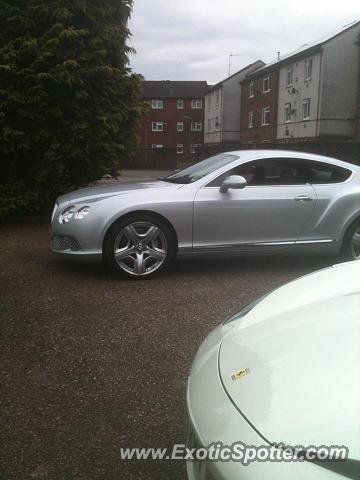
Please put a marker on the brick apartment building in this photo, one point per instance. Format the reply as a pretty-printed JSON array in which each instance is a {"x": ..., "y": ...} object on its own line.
[
  {"x": 310, "y": 93},
  {"x": 173, "y": 126},
  {"x": 259, "y": 103}
]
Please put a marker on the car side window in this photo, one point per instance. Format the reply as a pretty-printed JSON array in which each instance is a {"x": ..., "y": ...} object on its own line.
[
  {"x": 274, "y": 171},
  {"x": 323, "y": 173},
  {"x": 285, "y": 171}
]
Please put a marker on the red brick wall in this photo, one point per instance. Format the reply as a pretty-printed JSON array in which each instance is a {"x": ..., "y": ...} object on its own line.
[
  {"x": 260, "y": 100},
  {"x": 170, "y": 115}
]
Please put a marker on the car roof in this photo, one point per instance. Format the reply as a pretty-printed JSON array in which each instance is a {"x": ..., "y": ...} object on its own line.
[{"x": 246, "y": 155}]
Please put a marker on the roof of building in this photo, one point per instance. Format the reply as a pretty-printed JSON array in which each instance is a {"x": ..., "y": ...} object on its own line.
[
  {"x": 260, "y": 64},
  {"x": 302, "y": 50},
  {"x": 173, "y": 89}
]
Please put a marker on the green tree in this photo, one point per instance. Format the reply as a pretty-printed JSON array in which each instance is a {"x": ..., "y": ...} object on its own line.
[{"x": 69, "y": 103}]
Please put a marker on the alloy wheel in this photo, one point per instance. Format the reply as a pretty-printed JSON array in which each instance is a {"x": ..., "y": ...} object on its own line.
[{"x": 140, "y": 248}]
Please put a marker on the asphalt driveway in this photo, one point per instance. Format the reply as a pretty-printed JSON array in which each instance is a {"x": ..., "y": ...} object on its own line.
[{"x": 90, "y": 363}]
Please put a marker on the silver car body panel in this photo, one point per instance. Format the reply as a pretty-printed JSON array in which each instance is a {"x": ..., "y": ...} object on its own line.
[{"x": 257, "y": 218}]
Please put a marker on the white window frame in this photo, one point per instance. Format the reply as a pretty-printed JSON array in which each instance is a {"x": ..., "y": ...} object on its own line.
[
  {"x": 179, "y": 126},
  {"x": 196, "y": 126},
  {"x": 290, "y": 75},
  {"x": 306, "y": 108},
  {"x": 252, "y": 89},
  {"x": 264, "y": 112},
  {"x": 266, "y": 78},
  {"x": 196, "y": 104},
  {"x": 157, "y": 126},
  {"x": 287, "y": 112},
  {"x": 251, "y": 119},
  {"x": 157, "y": 104},
  {"x": 194, "y": 146},
  {"x": 180, "y": 104},
  {"x": 156, "y": 146},
  {"x": 179, "y": 148},
  {"x": 308, "y": 73}
]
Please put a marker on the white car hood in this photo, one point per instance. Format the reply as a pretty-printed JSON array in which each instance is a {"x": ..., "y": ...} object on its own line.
[{"x": 303, "y": 385}]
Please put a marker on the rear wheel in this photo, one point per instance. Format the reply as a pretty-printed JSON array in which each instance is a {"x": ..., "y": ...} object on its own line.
[
  {"x": 351, "y": 246},
  {"x": 140, "y": 246}
]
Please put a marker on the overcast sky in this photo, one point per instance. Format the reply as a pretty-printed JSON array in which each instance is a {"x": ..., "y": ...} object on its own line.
[{"x": 192, "y": 39}]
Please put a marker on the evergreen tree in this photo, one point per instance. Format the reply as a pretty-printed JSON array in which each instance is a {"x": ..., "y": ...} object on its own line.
[{"x": 69, "y": 104}]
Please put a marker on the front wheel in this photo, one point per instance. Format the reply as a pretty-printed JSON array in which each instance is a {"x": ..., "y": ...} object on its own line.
[
  {"x": 139, "y": 246},
  {"x": 351, "y": 245}
]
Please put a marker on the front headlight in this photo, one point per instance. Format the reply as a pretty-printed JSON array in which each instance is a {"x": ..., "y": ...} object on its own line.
[
  {"x": 67, "y": 214},
  {"x": 82, "y": 212}
]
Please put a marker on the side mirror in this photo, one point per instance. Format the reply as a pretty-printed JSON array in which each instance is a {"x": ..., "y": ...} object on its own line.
[{"x": 233, "y": 181}]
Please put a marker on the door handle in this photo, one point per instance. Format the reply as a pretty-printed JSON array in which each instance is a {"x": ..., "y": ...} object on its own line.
[{"x": 303, "y": 198}]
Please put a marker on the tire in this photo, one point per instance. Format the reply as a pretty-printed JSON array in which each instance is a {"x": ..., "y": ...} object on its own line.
[
  {"x": 139, "y": 246},
  {"x": 351, "y": 243}
]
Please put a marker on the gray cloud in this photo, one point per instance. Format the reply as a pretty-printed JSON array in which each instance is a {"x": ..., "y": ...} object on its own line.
[{"x": 191, "y": 39}]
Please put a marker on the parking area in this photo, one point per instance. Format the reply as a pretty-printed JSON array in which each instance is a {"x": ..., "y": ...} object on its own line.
[{"x": 91, "y": 363}]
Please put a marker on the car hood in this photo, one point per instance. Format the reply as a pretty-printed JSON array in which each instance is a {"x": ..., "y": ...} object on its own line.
[
  {"x": 121, "y": 188},
  {"x": 303, "y": 382}
]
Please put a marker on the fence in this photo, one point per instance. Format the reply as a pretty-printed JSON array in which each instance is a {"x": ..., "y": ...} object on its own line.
[{"x": 168, "y": 158}]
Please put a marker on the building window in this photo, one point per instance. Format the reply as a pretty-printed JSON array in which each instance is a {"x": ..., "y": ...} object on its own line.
[
  {"x": 287, "y": 115},
  {"x": 217, "y": 96},
  {"x": 179, "y": 148},
  {"x": 266, "y": 84},
  {"x": 265, "y": 116},
  {"x": 196, "y": 126},
  {"x": 156, "y": 146},
  {"x": 251, "y": 119},
  {"x": 180, "y": 104},
  {"x": 180, "y": 126},
  {"x": 306, "y": 108},
  {"x": 217, "y": 124},
  {"x": 157, "y": 126},
  {"x": 252, "y": 89},
  {"x": 197, "y": 104},
  {"x": 209, "y": 125},
  {"x": 289, "y": 75},
  {"x": 308, "y": 69},
  {"x": 157, "y": 104},
  {"x": 194, "y": 148}
]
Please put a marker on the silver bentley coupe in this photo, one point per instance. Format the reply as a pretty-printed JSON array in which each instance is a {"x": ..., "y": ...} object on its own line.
[{"x": 247, "y": 201}]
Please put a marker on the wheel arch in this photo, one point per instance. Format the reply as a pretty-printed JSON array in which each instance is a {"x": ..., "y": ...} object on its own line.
[
  {"x": 123, "y": 217},
  {"x": 355, "y": 219}
]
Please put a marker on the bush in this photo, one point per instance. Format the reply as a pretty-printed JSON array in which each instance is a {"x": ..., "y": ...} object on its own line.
[{"x": 69, "y": 104}]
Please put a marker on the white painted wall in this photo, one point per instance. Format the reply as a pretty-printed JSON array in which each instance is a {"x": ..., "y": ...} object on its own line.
[
  {"x": 213, "y": 111},
  {"x": 333, "y": 91},
  {"x": 224, "y": 103},
  {"x": 340, "y": 73},
  {"x": 300, "y": 90}
]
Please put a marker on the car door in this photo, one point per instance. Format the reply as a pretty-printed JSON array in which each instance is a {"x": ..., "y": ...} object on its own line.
[{"x": 273, "y": 209}]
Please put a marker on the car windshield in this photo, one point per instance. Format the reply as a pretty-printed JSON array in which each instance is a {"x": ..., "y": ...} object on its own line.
[{"x": 201, "y": 169}]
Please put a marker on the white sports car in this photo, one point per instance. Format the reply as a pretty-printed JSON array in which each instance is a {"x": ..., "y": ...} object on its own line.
[{"x": 283, "y": 371}]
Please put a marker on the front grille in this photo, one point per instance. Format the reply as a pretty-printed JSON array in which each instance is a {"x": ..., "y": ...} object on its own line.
[{"x": 65, "y": 242}]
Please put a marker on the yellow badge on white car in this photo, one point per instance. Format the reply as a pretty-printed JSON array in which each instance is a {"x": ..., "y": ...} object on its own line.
[{"x": 240, "y": 374}]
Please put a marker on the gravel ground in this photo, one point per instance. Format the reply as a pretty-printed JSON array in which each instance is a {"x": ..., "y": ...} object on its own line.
[{"x": 90, "y": 362}]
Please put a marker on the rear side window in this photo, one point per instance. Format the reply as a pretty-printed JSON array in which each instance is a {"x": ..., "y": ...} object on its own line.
[{"x": 322, "y": 173}]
